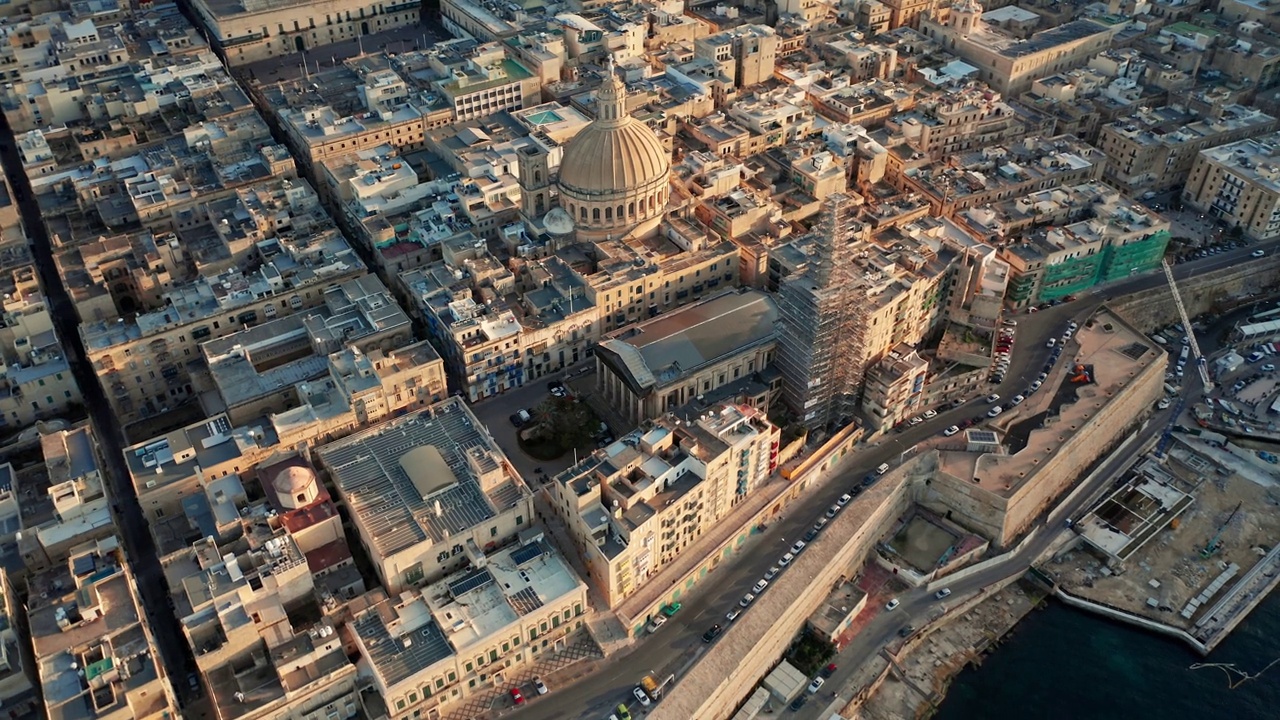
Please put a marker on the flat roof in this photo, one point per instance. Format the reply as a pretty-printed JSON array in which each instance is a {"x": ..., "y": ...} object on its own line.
[{"x": 367, "y": 469}]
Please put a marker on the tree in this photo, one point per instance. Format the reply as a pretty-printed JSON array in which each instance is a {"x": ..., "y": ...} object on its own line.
[{"x": 566, "y": 422}]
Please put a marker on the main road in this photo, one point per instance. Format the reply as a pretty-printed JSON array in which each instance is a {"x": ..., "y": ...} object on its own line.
[{"x": 678, "y": 643}]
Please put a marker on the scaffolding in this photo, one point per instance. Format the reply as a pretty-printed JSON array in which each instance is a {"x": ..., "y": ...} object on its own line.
[{"x": 822, "y": 350}]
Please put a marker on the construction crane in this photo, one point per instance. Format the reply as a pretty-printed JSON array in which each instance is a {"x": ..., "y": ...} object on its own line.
[
  {"x": 1166, "y": 438},
  {"x": 1201, "y": 364},
  {"x": 1212, "y": 547}
]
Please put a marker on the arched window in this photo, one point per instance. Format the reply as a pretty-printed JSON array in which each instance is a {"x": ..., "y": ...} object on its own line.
[
  {"x": 537, "y": 176},
  {"x": 631, "y": 209},
  {"x": 620, "y": 215},
  {"x": 608, "y": 213},
  {"x": 583, "y": 213},
  {"x": 595, "y": 213}
]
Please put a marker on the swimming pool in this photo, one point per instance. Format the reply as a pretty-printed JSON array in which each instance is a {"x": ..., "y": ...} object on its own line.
[{"x": 546, "y": 117}]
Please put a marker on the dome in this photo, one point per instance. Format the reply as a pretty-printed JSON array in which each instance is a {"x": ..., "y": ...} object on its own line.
[
  {"x": 295, "y": 487},
  {"x": 613, "y": 158},
  {"x": 615, "y": 173}
]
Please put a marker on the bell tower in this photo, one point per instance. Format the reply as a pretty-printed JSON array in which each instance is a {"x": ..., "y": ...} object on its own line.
[{"x": 535, "y": 181}]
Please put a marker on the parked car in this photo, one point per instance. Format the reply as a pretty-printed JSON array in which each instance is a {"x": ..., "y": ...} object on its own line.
[
  {"x": 672, "y": 609},
  {"x": 540, "y": 686},
  {"x": 746, "y": 600},
  {"x": 798, "y": 547},
  {"x": 760, "y": 586},
  {"x": 893, "y": 605},
  {"x": 785, "y": 560},
  {"x": 844, "y": 499},
  {"x": 520, "y": 417},
  {"x": 930, "y": 414},
  {"x": 641, "y": 695},
  {"x": 712, "y": 633},
  {"x": 1017, "y": 400},
  {"x": 621, "y": 713},
  {"x": 771, "y": 573},
  {"x": 516, "y": 697},
  {"x": 1257, "y": 253},
  {"x": 951, "y": 431},
  {"x": 994, "y": 411},
  {"x": 557, "y": 388},
  {"x": 816, "y": 685},
  {"x": 833, "y": 511},
  {"x": 993, "y": 398},
  {"x": 828, "y": 671},
  {"x": 1268, "y": 367},
  {"x": 732, "y": 615},
  {"x": 942, "y": 593},
  {"x": 1052, "y": 342}
]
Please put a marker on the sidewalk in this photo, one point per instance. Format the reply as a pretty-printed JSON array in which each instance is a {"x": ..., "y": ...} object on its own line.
[{"x": 555, "y": 668}]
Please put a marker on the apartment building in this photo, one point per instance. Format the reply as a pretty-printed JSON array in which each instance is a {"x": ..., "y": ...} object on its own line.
[
  {"x": 75, "y": 510},
  {"x": 145, "y": 364},
  {"x": 951, "y": 121},
  {"x": 1239, "y": 183},
  {"x": 84, "y": 616},
  {"x": 16, "y": 673},
  {"x": 476, "y": 629},
  {"x": 1001, "y": 172},
  {"x": 487, "y": 81},
  {"x": 1156, "y": 148},
  {"x": 242, "y": 606},
  {"x": 746, "y": 54},
  {"x": 428, "y": 492},
  {"x": 246, "y": 31},
  {"x": 254, "y": 371},
  {"x": 635, "y": 505},
  {"x": 656, "y": 366},
  {"x": 1109, "y": 238}
]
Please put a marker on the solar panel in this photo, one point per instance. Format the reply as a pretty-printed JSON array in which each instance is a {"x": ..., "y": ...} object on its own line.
[
  {"x": 474, "y": 580},
  {"x": 525, "y": 601},
  {"x": 527, "y": 553},
  {"x": 982, "y": 436}
]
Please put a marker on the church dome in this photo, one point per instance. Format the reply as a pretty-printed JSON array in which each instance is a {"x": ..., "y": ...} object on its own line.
[
  {"x": 295, "y": 487},
  {"x": 606, "y": 158},
  {"x": 615, "y": 172}
]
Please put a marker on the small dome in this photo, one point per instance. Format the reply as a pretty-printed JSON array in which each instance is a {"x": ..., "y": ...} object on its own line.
[{"x": 295, "y": 487}]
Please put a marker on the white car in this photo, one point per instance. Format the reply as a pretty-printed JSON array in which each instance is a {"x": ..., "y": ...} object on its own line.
[
  {"x": 771, "y": 573},
  {"x": 1268, "y": 367},
  {"x": 893, "y": 605},
  {"x": 1163, "y": 404},
  {"x": 1257, "y": 253},
  {"x": 1017, "y": 400},
  {"x": 994, "y": 411},
  {"x": 795, "y": 549},
  {"x": 732, "y": 615},
  {"x": 816, "y": 685},
  {"x": 746, "y": 600},
  {"x": 942, "y": 593},
  {"x": 993, "y": 398},
  {"x": 844, "y": 499},
  {"x": 759, "y": 587},
  {"x": 642, "y": 696},
  {"x": 786, "y": 560},
  {"x": 540, "y": 686},
  {"x": 951, "y": 430},
  {"x": 1051, "y": 343},
  {"x": 929, "y": 415}
]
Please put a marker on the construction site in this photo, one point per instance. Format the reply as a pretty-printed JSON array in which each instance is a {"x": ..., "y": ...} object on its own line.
[{"x": 1186, "y": 543}]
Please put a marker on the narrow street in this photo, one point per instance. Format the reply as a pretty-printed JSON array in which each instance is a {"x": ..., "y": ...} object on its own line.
[{"x": 174, "y": 652}]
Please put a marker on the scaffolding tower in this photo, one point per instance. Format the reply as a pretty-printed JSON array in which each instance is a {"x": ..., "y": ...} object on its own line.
[{"x": 822, "y": 315}]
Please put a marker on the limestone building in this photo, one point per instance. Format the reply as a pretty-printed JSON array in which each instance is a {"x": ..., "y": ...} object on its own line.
[
  {"x": 251, "y": 30},
  {"x": 1239, "y": 183},
  {"x": 614, "y": 174}
]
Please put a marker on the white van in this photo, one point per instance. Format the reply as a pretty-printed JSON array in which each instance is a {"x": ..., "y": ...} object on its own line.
[{"x": 884, "y": 468}]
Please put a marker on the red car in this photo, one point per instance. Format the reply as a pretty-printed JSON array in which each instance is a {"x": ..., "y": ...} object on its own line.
[{"x": 516, "y": 697}]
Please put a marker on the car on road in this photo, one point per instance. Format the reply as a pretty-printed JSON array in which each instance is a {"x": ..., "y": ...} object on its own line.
[
  {"x": 1051, "y": 342},
  {"x": 712, "y": 633},
  {"x": 657, "y": 622},
  {"x": 930, "y": 414},
  {"x": 672, "y": 609},
  {"x": 1017, "y": 400},
  {"x": 540, "y": 686},
  {"x": 906, "y": 631},
  {"x": 884, "y": 468},
  {"x": 785, "y": 560},
  {"x": 557, "y": 388},
  {"x": 844, "y": 499},
  {"x": 951, "y": 430},
  {"x": 828, "y": 671},
  {"x": 760, "y": 586},
  {"x": 816, "y": 685},
  {"x": 516, "y": 697},
  {"x": 1257, "y": 253},
  {"x": 812, "y": 534},
  {"x": 993, "y": 398},
  {"x": 622, "y": 712},
  {"x": 520, "y": 418},
  {"x": 942, "y": 593},
  {"x": 833, "y": 510},
  {"x": 957, "y": 402},
  {"x": 1163, "y": 404},
  {"x": 994, "y": 411},
  {"x": 915, "y": 421},
  {"x": 1268, "y": 367},
  {"x": 893, "y": 605},
  {"x": 732, "y": 615},
  {"x": 798, "y": 547},
  {"x": 641, "y": 695},
  {"x": 746, "y": 600},
  {"x": 798, "y": 702},
  {"x": 771, "y": 573}
]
